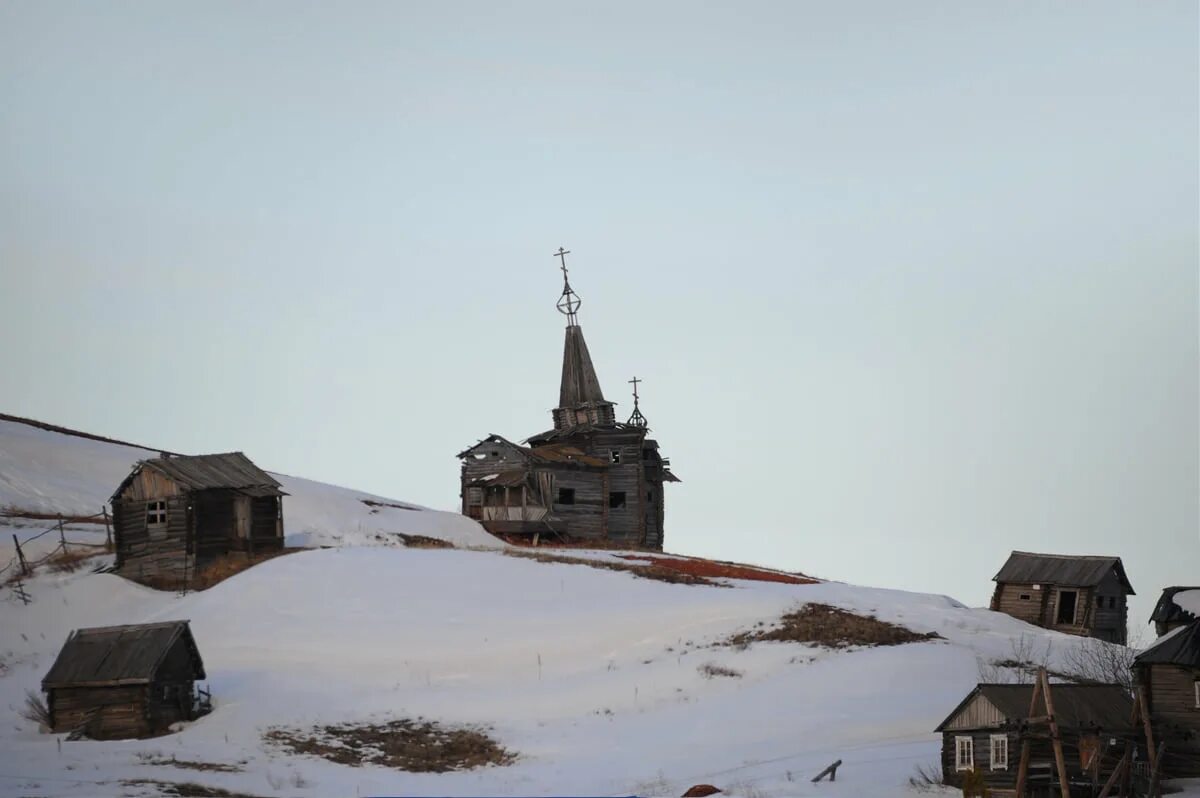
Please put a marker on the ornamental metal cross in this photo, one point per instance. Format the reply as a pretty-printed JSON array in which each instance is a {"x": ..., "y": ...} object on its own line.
[
  {"x": 568, "y": 304},
  {"x": 636, "y": 419}
]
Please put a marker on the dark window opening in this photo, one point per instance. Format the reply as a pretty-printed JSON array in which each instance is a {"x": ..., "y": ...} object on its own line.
[
  {"x": 615, "y": 455},
  {"x": 1066, "y": 606},
  {"x": 1112, "y": 602},
  {"x": 494, "y": 454},
  {"x": 566, "y": 495},
  {"x": 1099, "y": 602},
  {"x": 616, "y": 499},
  {"x": 647, "y": 454},
  {"x": 1025, "y": 597},
  {"x": 649, "y": 496}
]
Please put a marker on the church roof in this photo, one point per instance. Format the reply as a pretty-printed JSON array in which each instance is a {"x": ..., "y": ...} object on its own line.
[{"x": 580, "y": 385}]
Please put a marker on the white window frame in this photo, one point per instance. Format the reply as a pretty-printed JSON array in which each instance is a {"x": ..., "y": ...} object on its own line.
[
  {"x": 998, "y": 763},
  {"x": 959, "y": 764}
]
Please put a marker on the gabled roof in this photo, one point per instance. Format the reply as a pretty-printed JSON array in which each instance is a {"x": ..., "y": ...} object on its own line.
[
  {"x": 580, "y": 385},
  {"x": 1166, "y": 610},
  {"x": 1178, "y": 647},
  {"x": 232, "y": 470},
  {"x": 116, "y": 655},
  {"x": 549, "y": 453},
  {"x": 492, "y": 439},
  {"x": 1061, "y": 569},
  {"x": 1076, "y": 706}
]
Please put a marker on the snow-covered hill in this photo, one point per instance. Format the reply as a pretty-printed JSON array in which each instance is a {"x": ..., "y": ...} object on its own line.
[
  {"x": 46, "y": 471},
  {"x": 592, "y": 677}
]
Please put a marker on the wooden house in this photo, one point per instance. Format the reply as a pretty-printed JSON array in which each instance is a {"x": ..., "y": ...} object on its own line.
[
  {"x": 1074, "y": 594},
  {"x": 1169, "y": 674},
  {"x": 589, "y": 478},
  {"x": 116, "y": 682},
  {"x": 986, "y": 731},
  {"x": 1177, "y": 606},
  {"x": 174, "y": 515}
]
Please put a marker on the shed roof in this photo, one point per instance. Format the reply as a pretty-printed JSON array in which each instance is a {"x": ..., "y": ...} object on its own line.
[
  {"x": 115, "y": 655},
  {"x": 231, "y": 470},
  {"x": 1076, "y": 706},
  {"x": 1061, "y": 569},
  {"x": 1166, "y": 610},
  {"x": 1178, "y": 647}
]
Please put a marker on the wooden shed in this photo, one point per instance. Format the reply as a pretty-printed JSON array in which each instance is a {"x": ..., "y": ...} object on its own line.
[
  {"x": 986, "y": 730},
  {"x": 591, "y": 477},
  {"x": 174, "y": 515},
  {"x": 115, "y": 682},
  {"x": 1177, "y": 606},
  {"x": 1079, "y": 595},
  {"x": 1169, "y": 672}
]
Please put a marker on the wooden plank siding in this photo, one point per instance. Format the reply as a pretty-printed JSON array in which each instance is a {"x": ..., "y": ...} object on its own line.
[
  {"x": 1171, "y": 693},
  {"x": 114, "y": 712},
  {"x": 1041, "y": 608}
]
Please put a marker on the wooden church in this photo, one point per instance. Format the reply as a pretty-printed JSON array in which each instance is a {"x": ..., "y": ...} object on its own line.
[{"x": 589, "y": 478}]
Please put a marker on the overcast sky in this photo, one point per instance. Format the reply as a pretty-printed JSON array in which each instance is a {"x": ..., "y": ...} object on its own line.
[{"x": 910, "y": 284}]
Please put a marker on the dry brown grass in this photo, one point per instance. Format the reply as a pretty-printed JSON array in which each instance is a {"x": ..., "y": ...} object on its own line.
[
  {"x": 35, "y": 710},
  {"x": 216, "y": 572},
  {"x": 645, "y": 571},
  {"x": 186, "y": 789},
  {"x": 190, "y": 764},
  {"x": 711, "y": 670},
  {"x": 831, "y": 627},
  {"x": 423, "y": 542},
  {"x": 418, "y": 746},
  {"x": 69, "y": 560}
]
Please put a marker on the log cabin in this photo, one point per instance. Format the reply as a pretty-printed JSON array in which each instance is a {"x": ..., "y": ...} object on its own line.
[
  {"x": 986, "y": 730},
  {"x": 117, "y": 682},
  {"x": 590, "y": 477},
  {"x": 173, "y": 516},
  {"x": 1169, "y": 673},
  {"x": 1079, "y": 595},
  {"x": 1177, "y": 606}
]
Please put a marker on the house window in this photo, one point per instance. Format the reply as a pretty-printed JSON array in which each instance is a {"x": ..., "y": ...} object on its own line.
[
  {"x": 1099, "y": 602},
  {"x": 999, "y": 752},
  {"x": 1025, "y": 597},
  {"x": 614, "y": 455},
  {"x": 1066, "y": 606},
  {"x": 566, "y": 495},
  {"x": 1112, "y": 602},
  {"x": 616, "y": 499},
  {"x": 964, "y": 753},
  {"x": 156, "y": 513}
]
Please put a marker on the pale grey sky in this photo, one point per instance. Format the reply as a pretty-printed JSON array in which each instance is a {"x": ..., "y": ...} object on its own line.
[{"x": 910, "y": 284}]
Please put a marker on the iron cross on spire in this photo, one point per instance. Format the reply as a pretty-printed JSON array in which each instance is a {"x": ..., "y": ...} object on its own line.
[
  {"x": 636, "y": 419},
  {"x": 569, "y": 302}
]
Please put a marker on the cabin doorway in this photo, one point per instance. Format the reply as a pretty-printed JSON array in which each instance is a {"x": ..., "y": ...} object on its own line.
[{"x": 1067, "y": 600}]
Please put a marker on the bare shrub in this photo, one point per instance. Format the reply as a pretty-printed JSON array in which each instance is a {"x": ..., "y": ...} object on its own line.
[
  {"x": 67, "y": 561},
  {"x": 1020, "y": 666},
  {"x": 1094, "y": 661},
  {"x": 926, "y": 778},
  {"x": 710, "y": 670},
  {"x": 418, "y": 746},
  {"x": 832, "y": 627},
  {"x": 35, "y": 710}
]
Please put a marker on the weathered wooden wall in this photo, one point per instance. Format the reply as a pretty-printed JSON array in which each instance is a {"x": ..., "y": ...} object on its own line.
[
  {"x": 1172, "y": 698},
  {"x": 120, "y": 712},
  {"x": 144, "y": 552},
  {"x": 1041, "y": 608}
]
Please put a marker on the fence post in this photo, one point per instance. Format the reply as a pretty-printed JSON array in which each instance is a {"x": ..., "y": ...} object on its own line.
[
  {"x": 62, "y": 536},
  {"x": 107, "y": 529},
  {"x": 21, "y": 556}
]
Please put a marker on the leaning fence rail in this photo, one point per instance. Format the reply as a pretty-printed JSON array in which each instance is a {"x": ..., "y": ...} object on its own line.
[{"x": 21, "y": 566}]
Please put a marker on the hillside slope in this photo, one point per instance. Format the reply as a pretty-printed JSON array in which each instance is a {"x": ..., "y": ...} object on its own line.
[
  {"x": 45, "y": 471},
  {"x": 595, "y": 679}
]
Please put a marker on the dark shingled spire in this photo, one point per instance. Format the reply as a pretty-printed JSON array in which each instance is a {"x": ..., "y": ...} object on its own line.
[{"x": 579, "y": 382}]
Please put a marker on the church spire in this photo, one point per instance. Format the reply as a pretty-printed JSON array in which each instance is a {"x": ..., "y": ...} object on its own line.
[{"x": 580, "y": 400}]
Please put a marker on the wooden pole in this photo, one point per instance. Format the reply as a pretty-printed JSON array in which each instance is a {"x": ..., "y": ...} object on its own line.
[
  {"x": 1143, "y": 707},
  {"x": 1116, "y": 774},
  {"x": 1156, "y": 773},
  {"x": 1059, "y": 760},
  {"x": 830, "y": 771},
  {"x": 1023, "y": 769},
  {"x": 21, "y": 556},
  {"x": 107, "y": 528},
  {"x": 62, "y": 536}
]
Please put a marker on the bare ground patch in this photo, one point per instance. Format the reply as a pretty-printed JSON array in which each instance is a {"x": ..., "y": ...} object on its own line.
[
  {"x": 710, "y": 670},
  {"x": 823, "y": 625},
  {"x": 645, "y": 571},
  {"x": 186, "y": 789},
  {"x": 417, "y": 746},
  {"x": 190, "y": 764},
  {"x": 215, "y": 573}
]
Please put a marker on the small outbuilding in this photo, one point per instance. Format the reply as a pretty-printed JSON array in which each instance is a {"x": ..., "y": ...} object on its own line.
[
  {"x": 1079, "y": 595},
  {"x": 1177, "y": 606},
  {"x": 986, "y": 731},
  {"x": 173, "y": 516},
  {"x": 1169, "y": 673},
  {"x": 115, "y": 682}
]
